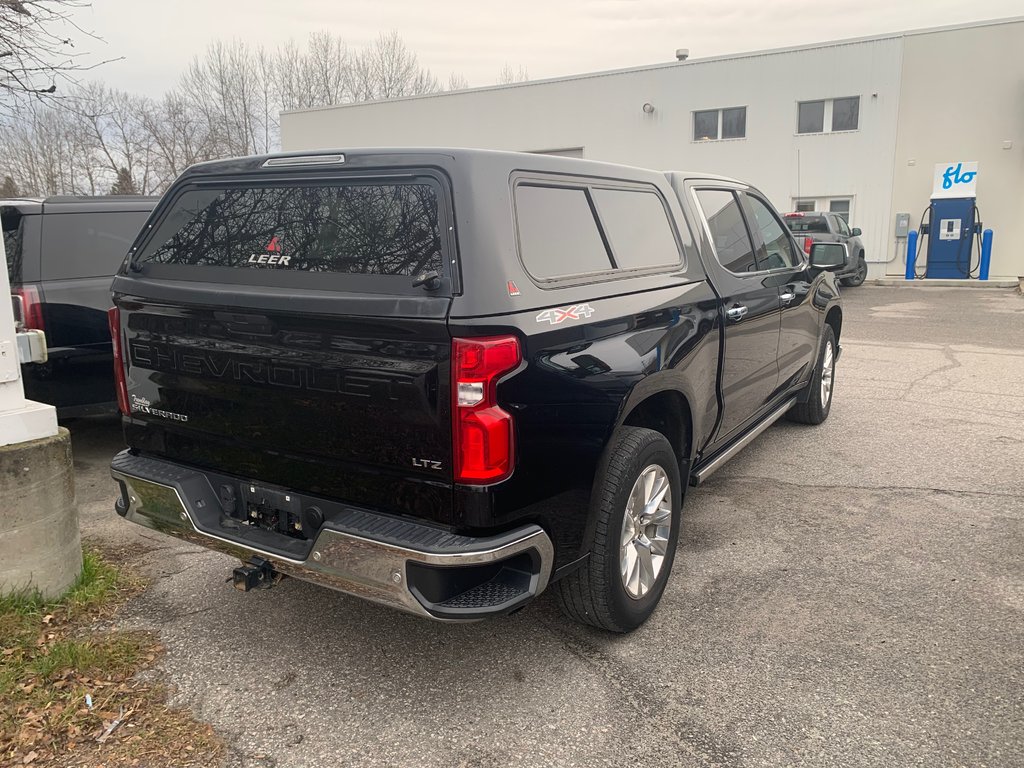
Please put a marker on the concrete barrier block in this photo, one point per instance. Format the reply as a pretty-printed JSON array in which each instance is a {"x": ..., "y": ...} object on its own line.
[{"x": 40, "y": 546}]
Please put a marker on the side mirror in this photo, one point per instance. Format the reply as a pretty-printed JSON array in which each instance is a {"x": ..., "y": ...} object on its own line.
[
  {"x": 829, "y": 256},
  {"x": 855, "y": 232}
]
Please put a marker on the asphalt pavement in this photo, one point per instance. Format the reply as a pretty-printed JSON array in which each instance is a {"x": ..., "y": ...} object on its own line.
[{"x": 850, "y": 594}]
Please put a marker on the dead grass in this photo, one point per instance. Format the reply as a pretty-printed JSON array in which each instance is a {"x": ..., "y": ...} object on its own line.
[{"x": 63, "y": 683}]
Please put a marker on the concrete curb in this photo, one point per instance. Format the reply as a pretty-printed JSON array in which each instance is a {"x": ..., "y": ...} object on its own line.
[
  {"x": 40, "y": 548},
  {"x": 1000, "y": 283}
]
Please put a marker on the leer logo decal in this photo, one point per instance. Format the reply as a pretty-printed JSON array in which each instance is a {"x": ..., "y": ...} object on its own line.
[
  {"x": 273, "y": 256},
  {"x": 561, "y": 314}
]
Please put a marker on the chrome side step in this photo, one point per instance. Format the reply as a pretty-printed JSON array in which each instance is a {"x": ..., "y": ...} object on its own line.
[{"x": 702, "y": 473}]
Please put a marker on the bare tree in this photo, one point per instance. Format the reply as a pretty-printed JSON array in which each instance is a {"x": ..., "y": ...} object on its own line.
[
  {"x": 327, "y": 70},
  {"x": 387, "y": 69},
  {"x": 229, "y": 87},
  {"x": 227, "y": 103},
  {"x": 112, "y": 127},
  {"x": 510, "y": 75},
  {"x": 42, "y": 152},
  {"x": 36, "y": 50},
  {"x": 457, "y": 82},
  {"x": 181, "y": 137}
]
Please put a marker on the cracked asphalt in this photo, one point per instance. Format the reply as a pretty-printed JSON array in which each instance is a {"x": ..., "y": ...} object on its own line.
[{"x": 850, "y": 594}]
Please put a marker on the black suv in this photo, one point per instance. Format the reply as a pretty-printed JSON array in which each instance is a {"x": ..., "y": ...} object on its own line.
[
  {"x": 443, "y": 379},
  {"x": 62, "y": 253}
]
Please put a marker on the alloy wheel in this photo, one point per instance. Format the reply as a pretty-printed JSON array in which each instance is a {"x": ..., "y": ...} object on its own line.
[
  {"x": 646, "y": 528},
  {"x": 828, "y": 366}
]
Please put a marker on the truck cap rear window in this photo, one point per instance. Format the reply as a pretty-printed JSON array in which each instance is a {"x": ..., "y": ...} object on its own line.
[{"x": 367, "y": 228}]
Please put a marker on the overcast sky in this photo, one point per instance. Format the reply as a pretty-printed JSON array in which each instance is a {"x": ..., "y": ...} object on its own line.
[{"x": 475, "y": 38}]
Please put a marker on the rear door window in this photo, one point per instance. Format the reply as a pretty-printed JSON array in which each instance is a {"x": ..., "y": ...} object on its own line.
[
  {"x": 379, "y": 228},
  {"x": 77, "y": 245},
  {"x": 558, "y": 233},
  {"x": 638, "y": 228},
  {"x": 728, "y": 230}
]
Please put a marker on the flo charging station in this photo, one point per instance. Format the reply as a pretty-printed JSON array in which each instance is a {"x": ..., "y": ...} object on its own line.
[{"x": 951, "y": 223}]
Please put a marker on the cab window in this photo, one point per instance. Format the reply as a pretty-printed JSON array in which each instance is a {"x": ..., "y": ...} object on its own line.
[
  {"x": 728, "y": 231},
  {"x": 772, "y": 240}
]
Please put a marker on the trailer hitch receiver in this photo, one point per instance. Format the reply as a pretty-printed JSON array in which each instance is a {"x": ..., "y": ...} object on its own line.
[{"x": 255, "y": 574}]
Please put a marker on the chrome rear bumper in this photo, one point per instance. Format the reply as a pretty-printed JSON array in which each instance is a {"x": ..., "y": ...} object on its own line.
[{"x": 394, "y": 569}]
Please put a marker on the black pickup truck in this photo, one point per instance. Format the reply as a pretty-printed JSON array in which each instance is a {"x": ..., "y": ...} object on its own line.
[{"x": 444, "y": 380}]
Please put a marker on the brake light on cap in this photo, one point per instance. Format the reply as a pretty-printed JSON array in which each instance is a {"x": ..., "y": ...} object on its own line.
[
  {"x": 120, "y": 383},
  {"x": 33, "y": 307},
  {"x": 795, "y": 215},
  {"x": 483, "y": 435}
]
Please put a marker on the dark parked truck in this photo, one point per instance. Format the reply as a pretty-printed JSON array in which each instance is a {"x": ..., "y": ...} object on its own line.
[
  {"x": 816, "y": 227},
  {"x": 62, "y": 253},
  {"x": 444, "y": 380}
]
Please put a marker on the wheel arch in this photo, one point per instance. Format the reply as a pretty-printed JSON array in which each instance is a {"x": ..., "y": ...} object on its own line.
[
  {"x": 666, "y": 411},
  {"x": 834, "y": 318}
]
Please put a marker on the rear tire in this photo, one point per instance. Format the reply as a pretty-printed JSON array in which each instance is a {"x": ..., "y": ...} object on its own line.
[
  {"x": 860, "y": 275},
  {"x": 819, "y": 390},
  {"x": 636, "y": 530}
]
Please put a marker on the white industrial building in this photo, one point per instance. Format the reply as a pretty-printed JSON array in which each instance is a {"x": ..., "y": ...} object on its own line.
[{"x": 854, "y": 126}]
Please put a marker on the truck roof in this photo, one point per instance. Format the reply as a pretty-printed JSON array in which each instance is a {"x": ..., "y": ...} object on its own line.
[
  {"x": 81, "y": 203},
  {"x": 676, "y": 176},
  {"x": 347, "y": 157}
]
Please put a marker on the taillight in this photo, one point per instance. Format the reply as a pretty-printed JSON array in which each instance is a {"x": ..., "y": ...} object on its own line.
[
  {"x": 807, "y": 245},
  {"x": 483, "y": 435},
  {"x": 120, "y": 383},
  {"x": 33, "y": 307}
]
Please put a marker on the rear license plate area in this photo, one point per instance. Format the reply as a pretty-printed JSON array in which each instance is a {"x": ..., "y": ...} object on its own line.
[{"x": 273, "y": 510}]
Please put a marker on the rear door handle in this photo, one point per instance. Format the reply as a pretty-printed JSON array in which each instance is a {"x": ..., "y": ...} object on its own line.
[{"x": 736, "y": 313}]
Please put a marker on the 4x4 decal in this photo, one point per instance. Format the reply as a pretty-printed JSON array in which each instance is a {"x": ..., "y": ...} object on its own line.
[{"x": 561, "y": 314}]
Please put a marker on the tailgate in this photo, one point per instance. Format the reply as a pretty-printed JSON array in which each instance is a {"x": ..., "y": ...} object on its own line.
[
  {"x": 273, "y": 330},
  {"x": 349, "y": 407}
]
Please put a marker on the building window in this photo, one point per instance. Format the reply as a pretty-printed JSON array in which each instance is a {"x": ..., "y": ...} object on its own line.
[
  {"x": 845, "y": 114},
  {"x": 734, "y": 123},
  {"x": 705, "y": 125},
  {"x": 839, "y": 114},
  {"x": 811, "y": 117},
  {"x": 714, "y": 124},
  {"x": 840, "y": 207}
]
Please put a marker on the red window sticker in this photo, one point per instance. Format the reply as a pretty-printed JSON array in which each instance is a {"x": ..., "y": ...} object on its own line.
[
  {"x": 513, "y": 289},
  {"x": 274, "y": 246}
]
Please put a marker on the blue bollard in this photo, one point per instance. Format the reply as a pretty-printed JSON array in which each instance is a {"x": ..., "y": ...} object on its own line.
[
  {"x": 986, "y": 254},
  {"x": 911, "y": 253}
]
